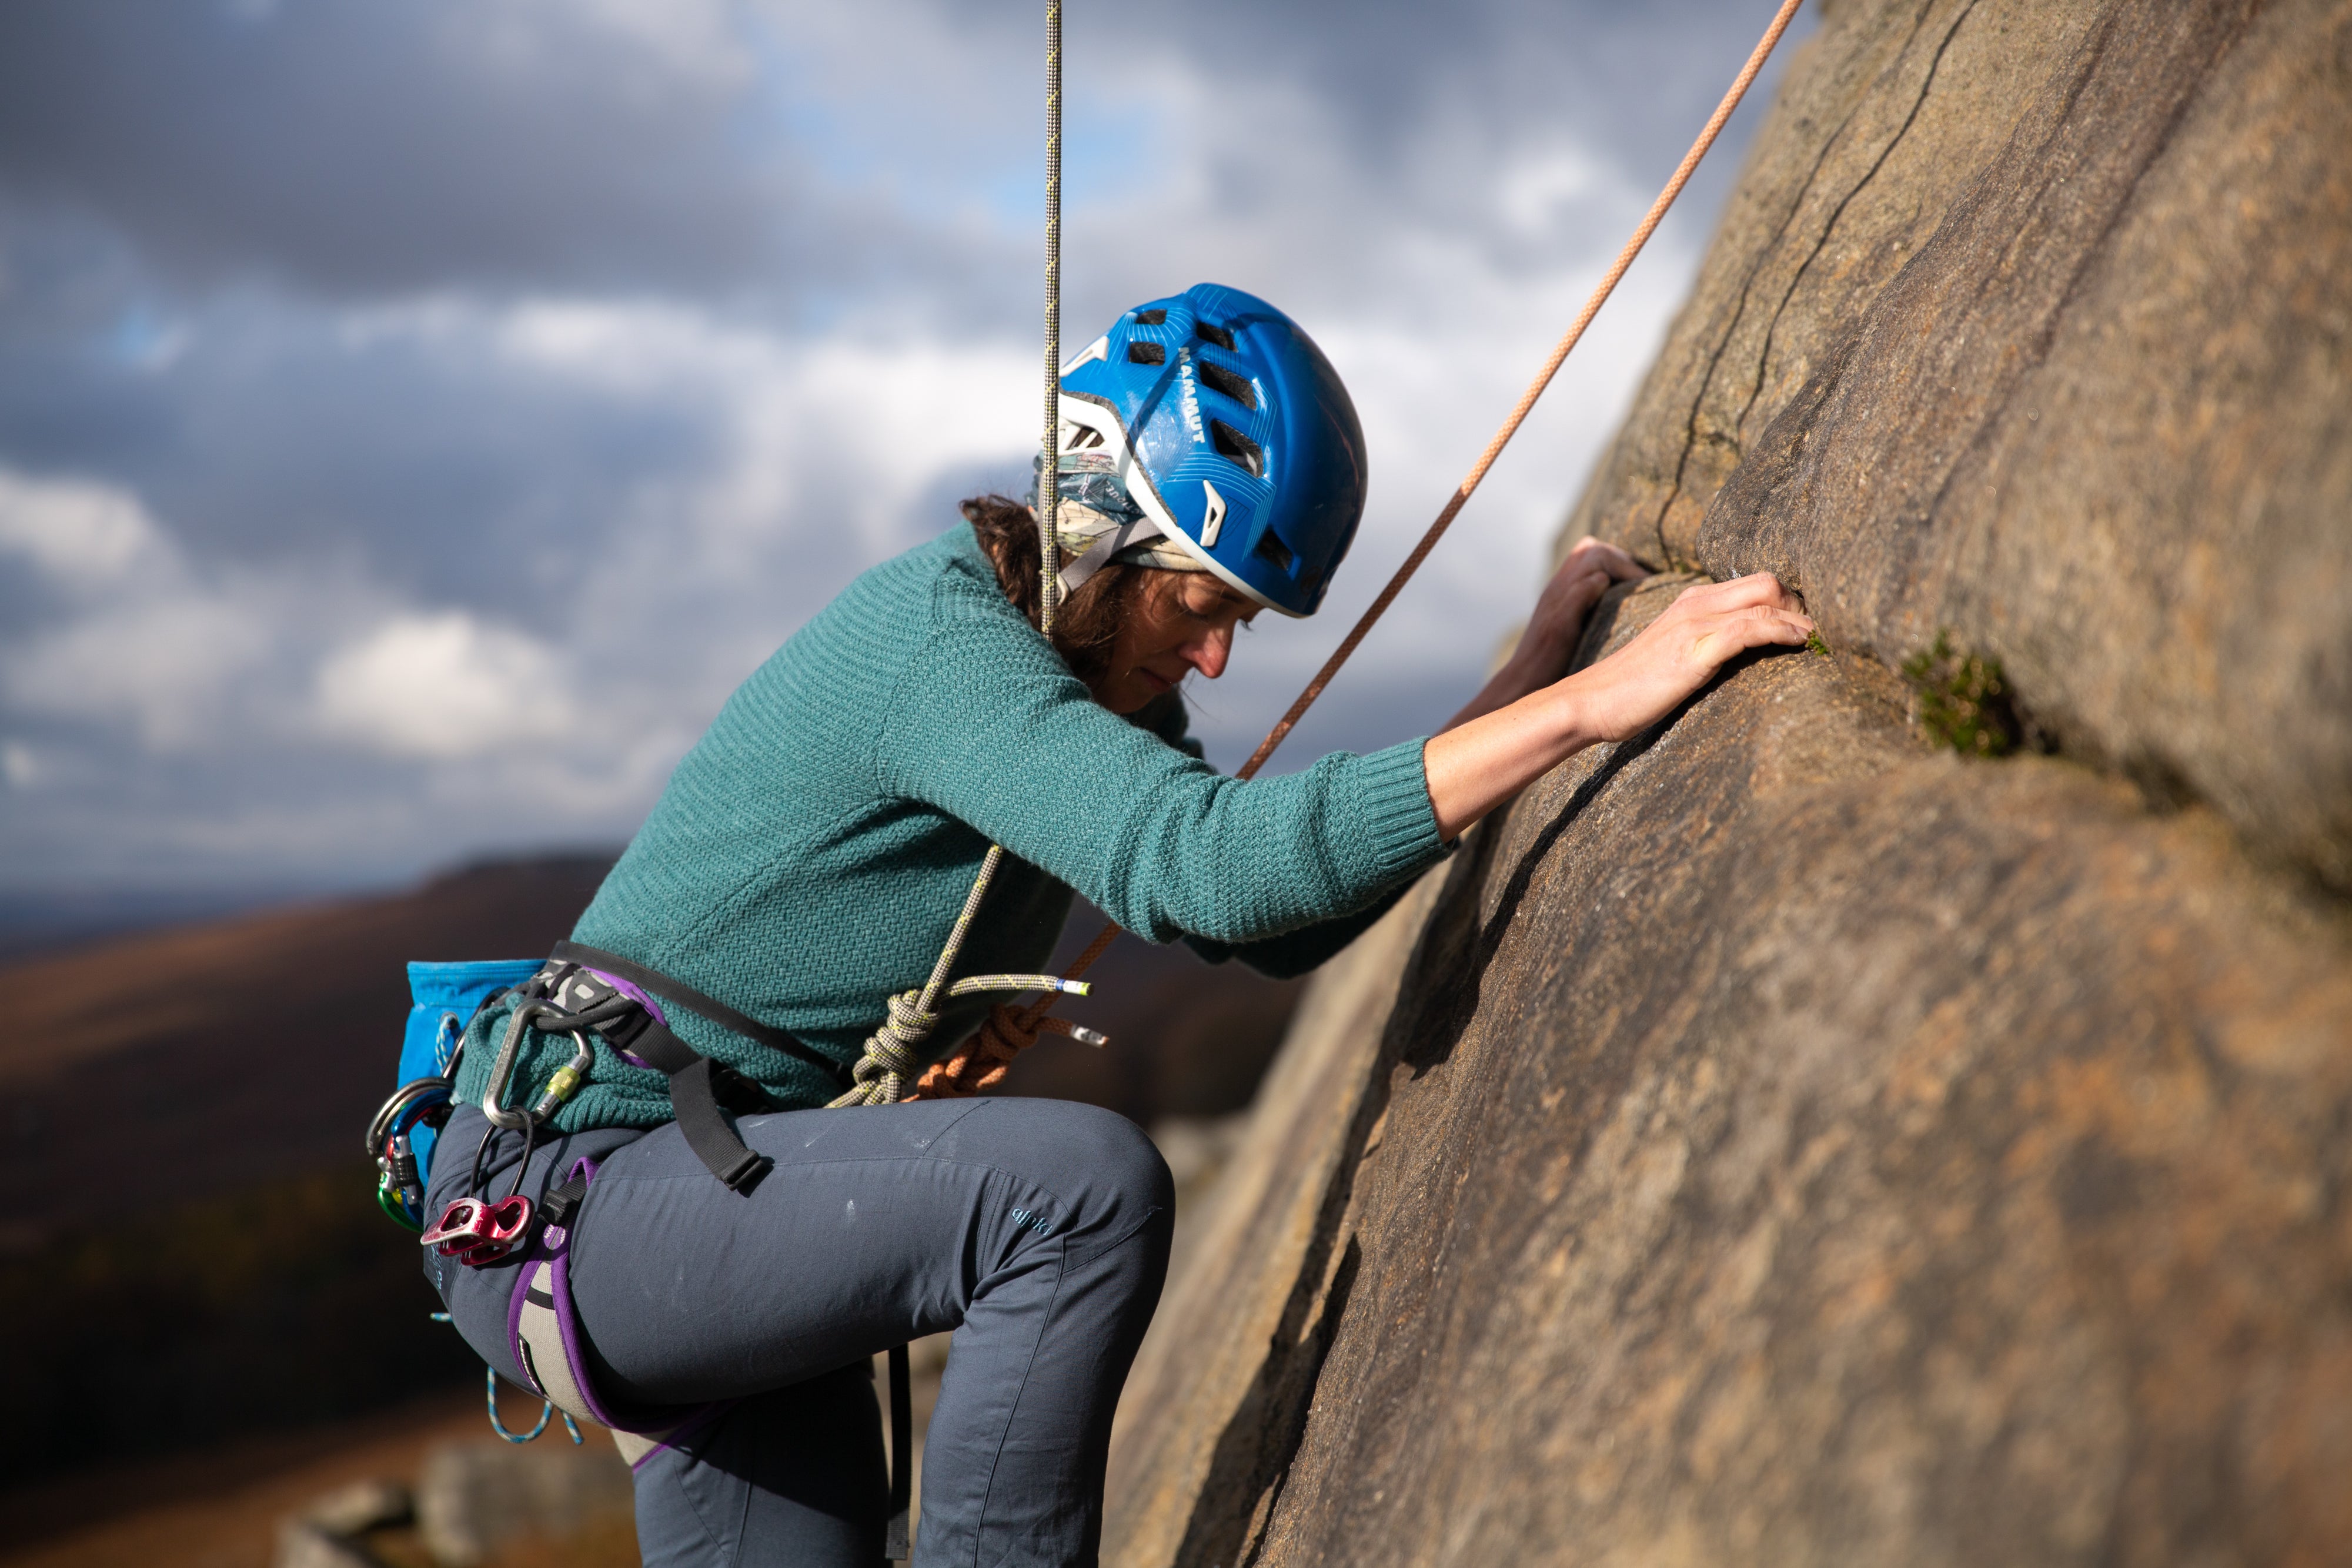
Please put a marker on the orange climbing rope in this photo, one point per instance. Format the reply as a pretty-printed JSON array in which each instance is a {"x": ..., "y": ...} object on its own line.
[{"x": 980, "y": 1064}]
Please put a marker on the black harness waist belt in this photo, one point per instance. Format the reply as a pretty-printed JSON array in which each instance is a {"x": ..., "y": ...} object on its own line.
[{"x": 699, "y": 1088}]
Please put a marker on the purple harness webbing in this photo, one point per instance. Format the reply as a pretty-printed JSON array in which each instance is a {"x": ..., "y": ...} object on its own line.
[{"x": 543, "y": 1327}]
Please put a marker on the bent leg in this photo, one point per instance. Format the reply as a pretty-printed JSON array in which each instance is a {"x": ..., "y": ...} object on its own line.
[
  {"x": 789, "y": 1479},
  {"x": 1036, "y": 1229}
]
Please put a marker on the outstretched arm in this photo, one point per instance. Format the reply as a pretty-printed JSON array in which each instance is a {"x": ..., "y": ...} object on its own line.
[
  {"x": 1555, "y": 628},
  {"x": 1503, "y": 742}
]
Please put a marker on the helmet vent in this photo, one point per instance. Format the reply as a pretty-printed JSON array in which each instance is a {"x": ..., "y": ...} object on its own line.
[
  {"x": 1232, "y": 443},
  {"x": 1217, "y": 335},
  {"x": 1146, "y": 354},
  {"x": 1152, "y": 318},
  {"x": 1221, "y": 380},
  {"x": 1274, "y": 550}
]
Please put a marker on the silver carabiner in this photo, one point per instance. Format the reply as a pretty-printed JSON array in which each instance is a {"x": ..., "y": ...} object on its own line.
[
  {"x": 502, "y": 1068},
  {"x": 565, "y": 1081}
]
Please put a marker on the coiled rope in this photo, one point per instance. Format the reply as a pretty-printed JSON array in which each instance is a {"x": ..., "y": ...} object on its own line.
[{"x": 981, "y": 1062}]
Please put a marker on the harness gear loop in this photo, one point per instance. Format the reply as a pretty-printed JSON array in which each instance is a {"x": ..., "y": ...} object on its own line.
[
  {"x": 490, "y": 1394},
  {"x": 957, "y": 1066}
]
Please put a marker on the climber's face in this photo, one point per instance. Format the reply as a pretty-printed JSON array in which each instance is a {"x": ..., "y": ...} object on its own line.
[{"x": 1180, "y": 622}]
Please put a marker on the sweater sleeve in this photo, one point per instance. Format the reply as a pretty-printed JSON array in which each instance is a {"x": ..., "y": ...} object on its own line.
[
  {"x": 988, "y": 725},
  {"x": 1302, "y": 951}
]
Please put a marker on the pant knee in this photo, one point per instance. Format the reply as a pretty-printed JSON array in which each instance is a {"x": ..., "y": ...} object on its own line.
[
  {"x": 1108, "y": 1176},
  {"x": 1138, "y": 1193}
]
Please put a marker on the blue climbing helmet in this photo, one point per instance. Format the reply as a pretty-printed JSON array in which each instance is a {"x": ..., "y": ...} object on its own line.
[{"x": 1232, "y": 432}]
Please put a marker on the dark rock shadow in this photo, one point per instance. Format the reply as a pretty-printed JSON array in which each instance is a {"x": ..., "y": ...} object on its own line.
[
  {"x": 1455, "y": 976},
  {"x": 1252, "y": 1458}
]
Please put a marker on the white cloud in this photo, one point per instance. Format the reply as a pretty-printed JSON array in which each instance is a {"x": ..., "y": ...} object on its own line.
[
  {"x": 823, "y": 443},
  {"x": 1534, "y": 191},
  {"x": 145, "y": 643},
  {"x": 675, "y": 47},
  {"x": 78, "y": 533},
  {"x": 443, "y": 685},
  {"x": 166, "y": 662}
]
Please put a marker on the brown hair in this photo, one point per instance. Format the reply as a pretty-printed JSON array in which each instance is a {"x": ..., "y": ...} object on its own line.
[{"x": 1086, "y": 622}]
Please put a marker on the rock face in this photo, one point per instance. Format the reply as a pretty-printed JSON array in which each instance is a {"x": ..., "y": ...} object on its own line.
[{"x": 1776, "y": 1140}]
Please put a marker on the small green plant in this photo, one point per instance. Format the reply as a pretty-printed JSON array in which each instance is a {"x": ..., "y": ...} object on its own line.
[
  {"x": 1963, "y": 701},
  {"x": 1814, "y": 645}
]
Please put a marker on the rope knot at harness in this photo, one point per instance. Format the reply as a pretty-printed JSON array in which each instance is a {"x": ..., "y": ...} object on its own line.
[
  {"x": 890, "y": 1060},
  {"x": 891, "y": 1064}
]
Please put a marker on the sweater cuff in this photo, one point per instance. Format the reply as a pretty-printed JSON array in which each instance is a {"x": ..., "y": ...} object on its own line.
[{"x": 1400, "y": 825}]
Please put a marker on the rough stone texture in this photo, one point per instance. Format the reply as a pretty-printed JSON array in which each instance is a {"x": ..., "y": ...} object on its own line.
[
  {"x": 1218, "y": 1391},
  {"x": 357, "y": 1507},
  {"x": 1776, "y": 1140},
  {"x": 2034, "y": 322}
]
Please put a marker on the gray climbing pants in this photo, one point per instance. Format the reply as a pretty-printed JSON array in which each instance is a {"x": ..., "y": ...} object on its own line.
[{"x": 1036, "y": 1229}]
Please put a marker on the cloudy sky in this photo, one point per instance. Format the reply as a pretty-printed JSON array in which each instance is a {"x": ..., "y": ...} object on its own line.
[{"x": 414, "y": 418}]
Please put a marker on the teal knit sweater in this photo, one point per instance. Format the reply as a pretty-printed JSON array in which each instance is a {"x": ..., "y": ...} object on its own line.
[{"x": 813, "y": 849}]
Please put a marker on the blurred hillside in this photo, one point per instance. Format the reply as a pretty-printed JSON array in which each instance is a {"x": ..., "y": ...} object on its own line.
[{"x": 205, "y": 1059}]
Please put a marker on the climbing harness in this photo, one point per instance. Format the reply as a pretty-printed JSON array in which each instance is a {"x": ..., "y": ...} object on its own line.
[
  {"x": 582, "y": 990},
  {"x": 543, "y": 1330},
  {"x": 578, "y": 991},
  {"x": 583, "y": 993}
]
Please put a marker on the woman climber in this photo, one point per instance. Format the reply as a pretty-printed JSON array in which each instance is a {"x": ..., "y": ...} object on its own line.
[{"x": 807, "y": 860}]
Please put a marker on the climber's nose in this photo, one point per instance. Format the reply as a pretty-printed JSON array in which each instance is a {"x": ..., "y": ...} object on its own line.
[{"x": 1209, "y": 652}]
